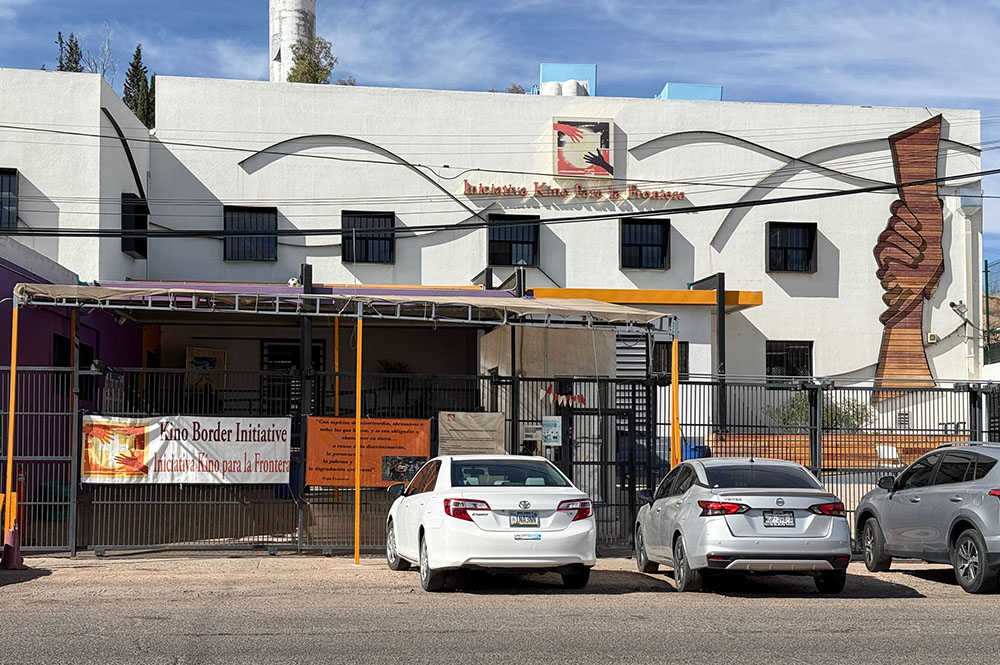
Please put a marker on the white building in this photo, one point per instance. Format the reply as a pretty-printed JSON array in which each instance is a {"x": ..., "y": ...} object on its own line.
[{"x": 440, "y": 166}]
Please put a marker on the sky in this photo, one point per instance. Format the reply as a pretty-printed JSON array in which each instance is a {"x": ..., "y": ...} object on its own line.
[{"x": 881, "y": 52}]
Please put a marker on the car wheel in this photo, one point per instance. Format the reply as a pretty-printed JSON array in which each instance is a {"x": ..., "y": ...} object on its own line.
[
  {"x": 576, "y": 580},
  {"x": 642, "y": 561},
  {"x": 873, "y": 544},
  {"x": 392, "y": 557},
  {"x": 685, "y": 579},
  {"x": 968, "y": 556},
  {"x": 430, "y": 579},
  {"x": 831, "y": 582}
]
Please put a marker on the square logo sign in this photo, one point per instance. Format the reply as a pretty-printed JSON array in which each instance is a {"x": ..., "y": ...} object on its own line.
[{"x": 583, "y": 148}]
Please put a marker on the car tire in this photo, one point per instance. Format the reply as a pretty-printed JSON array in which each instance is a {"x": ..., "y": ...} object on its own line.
[
  {"x": 968, "y": 556},
  {"x": 831, "y": 582},
  {"x": 873, "y": 546},
  {"x": 392, "y": 557},
  {"x": 642, "y": 561},
  {"x": 685, "y": 579},
  {"x": 576, "y": 580},
  {"x": 430, "y": 579}
]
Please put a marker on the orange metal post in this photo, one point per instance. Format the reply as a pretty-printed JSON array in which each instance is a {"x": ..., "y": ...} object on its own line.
[
  {"x": 11, "y": 411},
  {"x": 357, "y": 450},
  {"x": 675, "y": 405}
]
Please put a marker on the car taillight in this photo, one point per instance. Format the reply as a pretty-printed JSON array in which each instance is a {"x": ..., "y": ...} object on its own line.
[
  {"x": 995, "y": 493},
  {"x": 712, "y": 508},
  {"x": 832, "y": 509},
  {"x": 459, "y": 508},
  {"x": 584, "y": 508}
]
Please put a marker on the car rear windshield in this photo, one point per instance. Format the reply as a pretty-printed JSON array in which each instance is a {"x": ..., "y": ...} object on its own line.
[
  {"x": 760, "y": 476},
  {"x": 514, "y": 473}
]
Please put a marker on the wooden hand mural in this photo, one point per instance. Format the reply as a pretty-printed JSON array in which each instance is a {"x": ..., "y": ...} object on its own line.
[{"x": 910, "y": 257}]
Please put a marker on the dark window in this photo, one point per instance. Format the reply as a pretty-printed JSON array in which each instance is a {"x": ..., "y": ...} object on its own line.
[
  {"x": 759, "y": 476},
  {"x": 789, "y": 358},
  {"x": 664, "y": 486},
  {"x": 953, "y": 469},
  {"x": 418, "y": 480},
  {"x": 62, "y": 354},
  {"x": 983, "y": 466},
  {"x": 791, "y": 247},
  {"x": 432, "y": 475},
  {"x": 513, "y": 240},
  {"x": 368, "y": 237},
  {"x": 135, "y": 217},
  {"x": 645, "y": 243},
  {"x": 919, "y": 473},
  {"x": 662, "y": 355},
  {"x": 685, "y": 478},
  {"x": 490, "y": 473},
  {"x": 262, "y": 247},
  {"x": 8, "y": 199}
]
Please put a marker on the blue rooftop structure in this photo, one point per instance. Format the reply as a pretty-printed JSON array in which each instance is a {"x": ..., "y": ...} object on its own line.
[{"x": 691, "y": 91}]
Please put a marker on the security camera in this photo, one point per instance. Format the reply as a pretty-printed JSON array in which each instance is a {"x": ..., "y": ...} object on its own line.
[{"x": 294, "y": 281}]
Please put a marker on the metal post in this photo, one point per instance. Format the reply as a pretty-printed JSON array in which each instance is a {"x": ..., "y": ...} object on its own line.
[
  {"x": 986, "y": 331},
  {"x": 718, "y": 282},
  {"x": 357, "y": 447},
  {"x": 75, "y": 424},
  {"x": 976, "y": 412},
  {"x": 305, "y": 397},
  {"x": 675, "y": 405},
  {"x": 815, "y": 398},
  {"x": 515, "y": 395},
  {"x": 9, "y": 508}
]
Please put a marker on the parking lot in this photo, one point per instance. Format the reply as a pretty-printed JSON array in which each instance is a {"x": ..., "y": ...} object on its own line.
[{"x": 249, "y": 608}]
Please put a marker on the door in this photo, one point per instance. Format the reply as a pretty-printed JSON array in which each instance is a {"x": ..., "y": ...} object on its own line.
[
  {"x": 905, "y": 520},
  {"x": 411, "y": 508},
  {"x": 676, "y": 494},
  {"x": 943, "y": 500},
  {"x": 654, "y": 530}
]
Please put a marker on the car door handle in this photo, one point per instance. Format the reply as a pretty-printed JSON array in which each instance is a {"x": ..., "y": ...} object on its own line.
[
  {"x": 677, "y": 503},
  {"x": 659, "y": 508},
  {"x": 914, "y": 499},
  {"x": 955, "y": 499}
]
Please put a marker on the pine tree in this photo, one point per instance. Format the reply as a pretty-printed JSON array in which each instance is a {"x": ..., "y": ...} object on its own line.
[
  {"x": 73, "y": 61},
  {"x": 312, "y": 61},
  {"x": 150, "y": 120},
  {"x": 135, "y": 92},
  {"x": 61, "y": 62}
]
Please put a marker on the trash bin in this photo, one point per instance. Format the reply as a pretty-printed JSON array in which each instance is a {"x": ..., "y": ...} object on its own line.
[{"x": 694, "y": 451}]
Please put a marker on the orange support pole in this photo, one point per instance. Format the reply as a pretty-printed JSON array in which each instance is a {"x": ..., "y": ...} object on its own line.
[
  {"x": 357, "y": 450},
  {"x": 11, "y": 511},
  {"x": 675, "y": 405}
]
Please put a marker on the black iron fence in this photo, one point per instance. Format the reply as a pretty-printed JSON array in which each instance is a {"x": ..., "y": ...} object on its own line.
[{"x": 615, "y": 441}]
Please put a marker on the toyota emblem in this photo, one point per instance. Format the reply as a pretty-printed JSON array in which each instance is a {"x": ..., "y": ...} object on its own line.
[
  {"x": 780, "y": 502},
  {"x": 525, "y": 504}
]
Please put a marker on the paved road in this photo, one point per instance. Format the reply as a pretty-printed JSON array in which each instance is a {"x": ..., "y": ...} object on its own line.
[{"x": 297, "y": 609}]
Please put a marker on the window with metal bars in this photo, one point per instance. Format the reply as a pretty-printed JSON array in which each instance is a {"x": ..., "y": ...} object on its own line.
[
  {"x": 263, "y": 247},
  {"x": 513, "y": 240},
  {"x": 789, "y": 358},
  {"x": 368, "y": 237},
  {"x": 645, "y": 243},
  {"x": 791, "y": 247},
  {"x": 8, "y": 199}
]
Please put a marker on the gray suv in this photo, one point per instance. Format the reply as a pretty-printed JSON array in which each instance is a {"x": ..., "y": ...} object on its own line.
[{"x": 943, "y": 508}]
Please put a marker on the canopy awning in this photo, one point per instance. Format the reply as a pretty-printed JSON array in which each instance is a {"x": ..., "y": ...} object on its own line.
[{"x": 429, "y": 305}]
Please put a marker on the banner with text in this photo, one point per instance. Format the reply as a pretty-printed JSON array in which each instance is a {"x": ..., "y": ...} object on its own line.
[
  {"x": 392, "y": 451},
  {"x": 186, "y": 449},
  {"x": 471, "y": 433}
]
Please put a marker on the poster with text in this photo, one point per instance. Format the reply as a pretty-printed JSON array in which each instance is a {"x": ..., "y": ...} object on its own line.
[
  {"x": 186, "y": 449},
  {"x": 392, "y": 451},
  {"x": 470, "y": 433}
]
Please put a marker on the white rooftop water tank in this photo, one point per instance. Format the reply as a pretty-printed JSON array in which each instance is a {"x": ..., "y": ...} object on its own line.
[{"x": 290, "y": 21}]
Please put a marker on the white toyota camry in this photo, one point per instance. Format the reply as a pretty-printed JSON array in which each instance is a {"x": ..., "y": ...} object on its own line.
[{"x": 519, "y": 514}]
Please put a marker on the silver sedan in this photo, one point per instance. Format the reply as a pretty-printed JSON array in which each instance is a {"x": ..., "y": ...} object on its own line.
[{"x": 739, "y": 514}]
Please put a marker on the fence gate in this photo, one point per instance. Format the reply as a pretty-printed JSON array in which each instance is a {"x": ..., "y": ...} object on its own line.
[{"x": 598, "y": 458}]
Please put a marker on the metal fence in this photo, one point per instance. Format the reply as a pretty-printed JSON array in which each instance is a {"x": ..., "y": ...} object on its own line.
[{"x": 616, "y": 441}]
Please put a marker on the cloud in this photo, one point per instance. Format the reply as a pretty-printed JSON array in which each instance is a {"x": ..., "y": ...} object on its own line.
[
  {"x": 10, "y": 8},
  {"x": 209, "y": 57}
]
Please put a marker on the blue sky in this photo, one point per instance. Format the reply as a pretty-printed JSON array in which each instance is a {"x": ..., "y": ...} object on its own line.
[{"x": 887, "y": 52}]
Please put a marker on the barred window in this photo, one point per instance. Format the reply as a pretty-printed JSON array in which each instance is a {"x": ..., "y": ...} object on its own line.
[
  {"x": 513, "y": 240},
  {"x": 368, "y": 237},
  {"x": 262, "y": 247},
  {"x": 135, "y": 217},
  {"x": 645, "y": 243},
  {"x": 789, "y": 358},
  {"x": 8, "y": 199},
  {"x": 791, "y": 247}
]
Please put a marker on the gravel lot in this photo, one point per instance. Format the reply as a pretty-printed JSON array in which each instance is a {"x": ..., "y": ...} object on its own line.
[{"x": 183, "y": 608}]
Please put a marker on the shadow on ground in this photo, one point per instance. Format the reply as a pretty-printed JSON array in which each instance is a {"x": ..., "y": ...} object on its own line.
[
  {"x": 783, "y": 586},
  {"x": 602, "y": 582},
  {"x": 8, "y": 577},
  {"x": 939, "y": 575}
]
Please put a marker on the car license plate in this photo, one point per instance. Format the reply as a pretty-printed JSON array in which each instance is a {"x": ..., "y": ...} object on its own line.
[
  {"x": 779, "y": 518},
  {"x": 518, "y": 520}
]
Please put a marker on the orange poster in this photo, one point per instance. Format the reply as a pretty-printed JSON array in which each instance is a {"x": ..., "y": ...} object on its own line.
[{"x": 392, "y": 451}]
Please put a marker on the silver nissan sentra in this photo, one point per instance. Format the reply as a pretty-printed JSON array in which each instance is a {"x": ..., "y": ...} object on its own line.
[{"x": 741, "y": 514}]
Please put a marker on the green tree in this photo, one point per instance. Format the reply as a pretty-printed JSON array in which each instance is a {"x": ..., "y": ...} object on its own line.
[
  {"x": 151, "y": 108},
  {"x": 73, "y": 61},
  {"x": 841, "y": 413},
  {"x": 61, "y": 62},
  {"x": 312, "y": 61},
  {"x": 135, "y": 92}
]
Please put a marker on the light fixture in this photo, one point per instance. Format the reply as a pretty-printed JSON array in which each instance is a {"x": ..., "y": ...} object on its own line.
[{"x": 960, "y": 308}]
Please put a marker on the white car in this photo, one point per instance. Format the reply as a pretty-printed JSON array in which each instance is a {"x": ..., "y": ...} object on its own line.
[{"x": 492, "y": 512}]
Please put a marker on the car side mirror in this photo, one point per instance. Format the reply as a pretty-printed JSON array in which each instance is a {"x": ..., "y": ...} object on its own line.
[
  {"x": 645, "y": 496},
  {"x": 887, "y": 483},
  {"x": 396, "y": 489}
]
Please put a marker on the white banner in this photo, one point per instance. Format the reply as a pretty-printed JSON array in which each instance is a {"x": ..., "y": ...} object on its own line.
[
  {"x": 186, "y": 449},
  {"x": 470, "y": 433}
]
